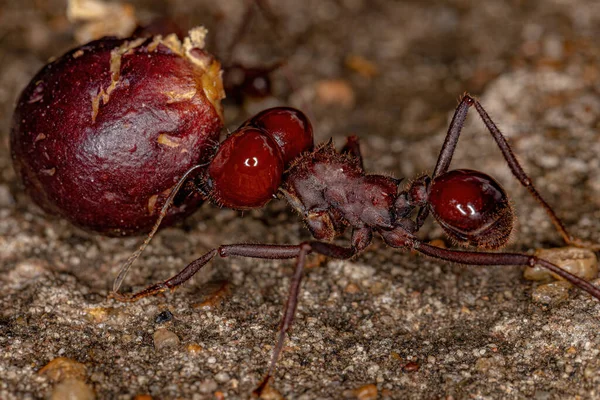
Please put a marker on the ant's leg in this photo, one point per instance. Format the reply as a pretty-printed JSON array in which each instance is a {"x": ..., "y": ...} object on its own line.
[
  {"x": 445, "y": 156},
  {"x": 361, "y": 238},
  {"x": 449, "y": 146},
  {"x": 245, "y": 250},
  {"x": 488, "y": 259},
  {"x": 288, "y": 316},
  {"x": 352, "y": 147},
  {"x": 518, "y": 172},
  {"x": 456, "y": 125},
  {"x": 265, "y": 251}
]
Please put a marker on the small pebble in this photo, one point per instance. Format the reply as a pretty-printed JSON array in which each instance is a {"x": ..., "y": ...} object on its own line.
[
  {"x": 6, "y": 198},
  {"x": 62, "y": 368},
  {"x": 193, "y": 348},
  {"x": 219, "y": 395},
  {"x": 72, "y": 389},
  {"x": 164, "y": 338},
  {"x": 97, "y": 314},
  {"x": 335, "y": 92},
  {"x": 411, "y": 366},
  {"x": 207, "y": 386},
  {"x": 365, "y": 392},
  {"x": 352, "y": 288},
  {"x": 163, "y": 317},
  {"x": 269, "y": 393},
  {"x": 580, "y": 262},
  {"x": 552, "y": 293},
  {"x": 222, "y": 377}
]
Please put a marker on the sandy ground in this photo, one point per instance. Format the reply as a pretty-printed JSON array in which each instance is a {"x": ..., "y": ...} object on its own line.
[{"x": 387, "y": 324}]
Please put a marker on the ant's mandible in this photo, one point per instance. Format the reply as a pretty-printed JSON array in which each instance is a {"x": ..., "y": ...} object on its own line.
[{"x": 272, "y": 154}]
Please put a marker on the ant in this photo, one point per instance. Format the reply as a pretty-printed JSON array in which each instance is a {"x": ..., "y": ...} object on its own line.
[{"x": 273, "y": 154}]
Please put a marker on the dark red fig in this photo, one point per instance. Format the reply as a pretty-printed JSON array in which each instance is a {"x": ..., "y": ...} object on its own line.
[{"x": 103, "y": 133}]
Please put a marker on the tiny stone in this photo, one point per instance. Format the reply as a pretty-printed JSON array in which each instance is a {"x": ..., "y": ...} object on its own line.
[
  {"x": 365, "y": 392},
  {"x": 219, "y": 395},
  {"x": 580, "y": 262},
  {"x": 163, "y": 317},
  {"x": 164, "y": 338},
  {"x": 193, "y": 348},
  {"x": 222, "y": 377},
  {"x": 270, "y": 393},
  {"x": 62, "y": 368},
  {"x": 6, "y": 198},
  {"x": 411, "y": 367},
  {"x": 208, "y": 386},
  {"x": 335, "y": 92},
  {"x": 352, "y": 288},
  {"x": 552, "y": 293},
  {"x": 373, "y": 369},
  {"x": 72, "y": 389}
]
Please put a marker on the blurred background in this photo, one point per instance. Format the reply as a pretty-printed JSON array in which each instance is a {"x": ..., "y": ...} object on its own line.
[{"x": 390, "y": 72}]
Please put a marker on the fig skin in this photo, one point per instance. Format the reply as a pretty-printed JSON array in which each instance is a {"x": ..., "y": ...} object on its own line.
[{"x": 103, "y": 133}]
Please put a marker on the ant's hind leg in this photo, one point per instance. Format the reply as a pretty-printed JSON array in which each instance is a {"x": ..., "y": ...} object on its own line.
[{"x": 451, "y": 141}]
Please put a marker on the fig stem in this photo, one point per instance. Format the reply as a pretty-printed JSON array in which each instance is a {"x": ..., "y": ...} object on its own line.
[{"x": 163, "y": 212}]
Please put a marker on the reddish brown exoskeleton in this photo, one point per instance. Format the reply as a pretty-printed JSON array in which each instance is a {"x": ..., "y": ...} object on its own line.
[{"x": 273, "y": 154}]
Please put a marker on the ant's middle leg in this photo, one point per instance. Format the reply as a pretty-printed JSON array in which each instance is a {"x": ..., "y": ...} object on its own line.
[
  {"x": 449, "y": 147},
  {"x": 361, "y": 238}
]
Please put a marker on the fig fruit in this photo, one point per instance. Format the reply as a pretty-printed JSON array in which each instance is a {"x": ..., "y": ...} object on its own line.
[{"x": 103, "y": 133}]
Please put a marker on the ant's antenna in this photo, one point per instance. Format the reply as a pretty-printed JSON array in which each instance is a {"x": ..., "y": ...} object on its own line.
[{"x": 163, "y": 212}]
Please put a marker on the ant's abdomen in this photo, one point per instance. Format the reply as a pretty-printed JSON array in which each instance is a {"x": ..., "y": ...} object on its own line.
[{"x": 248, "y": 167}]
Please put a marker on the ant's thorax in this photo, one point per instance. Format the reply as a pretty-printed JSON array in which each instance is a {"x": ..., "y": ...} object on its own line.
[{"x": 330, "y": 190}]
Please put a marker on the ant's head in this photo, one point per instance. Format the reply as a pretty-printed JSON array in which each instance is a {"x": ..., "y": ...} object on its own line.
[
  {"x": 471, "y": 207},
  {"x": 247, "y": 170}
]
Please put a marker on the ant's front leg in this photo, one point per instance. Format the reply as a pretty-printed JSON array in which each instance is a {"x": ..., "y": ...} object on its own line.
[
  {"x": 449, "y": 147},
  {"x": 401, "y": 239}
]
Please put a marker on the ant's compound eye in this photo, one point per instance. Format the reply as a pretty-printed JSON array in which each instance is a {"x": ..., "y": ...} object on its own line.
[
  {"x": 289, "y": 127},
  {"x": 472, "y": 208},
  {"x": 246, "y": 171}
]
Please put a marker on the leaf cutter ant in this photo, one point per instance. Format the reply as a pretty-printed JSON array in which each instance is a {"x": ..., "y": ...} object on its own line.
[{"x": 272, "y": 154}]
